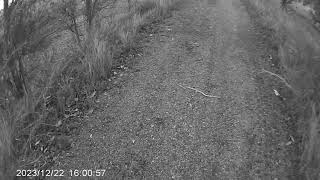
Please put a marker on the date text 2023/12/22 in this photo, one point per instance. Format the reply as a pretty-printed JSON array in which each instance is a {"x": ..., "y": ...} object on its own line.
[{"x": 60, "y": 172}]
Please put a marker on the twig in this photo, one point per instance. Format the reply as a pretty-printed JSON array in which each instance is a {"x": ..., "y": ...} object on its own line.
[
  {"x": 199, "y": 91},
  {"x": 281, "y": 78}
]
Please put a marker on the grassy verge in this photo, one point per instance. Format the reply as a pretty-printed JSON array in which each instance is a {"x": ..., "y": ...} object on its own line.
[
  {"x": 298, "y": 49},
  {"x": 63, "y": 83}
]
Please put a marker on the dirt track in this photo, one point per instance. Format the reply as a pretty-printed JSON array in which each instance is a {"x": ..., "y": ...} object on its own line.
[{"x": 158, "y": 126}]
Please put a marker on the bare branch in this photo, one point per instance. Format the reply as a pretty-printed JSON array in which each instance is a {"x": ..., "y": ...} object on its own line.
[{"x": 206, "y": 95}]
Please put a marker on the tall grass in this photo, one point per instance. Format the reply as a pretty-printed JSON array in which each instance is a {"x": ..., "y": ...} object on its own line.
[
  {"x": 62, "y": 77},
  {"x": 299, "y": 52}
]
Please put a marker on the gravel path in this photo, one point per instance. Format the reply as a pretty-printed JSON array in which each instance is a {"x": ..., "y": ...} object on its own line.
[{"x": 164, "y": 121}]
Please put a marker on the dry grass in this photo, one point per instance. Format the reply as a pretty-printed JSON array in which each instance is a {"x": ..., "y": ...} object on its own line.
[
  {"x": 60, "y": 78},
  {"x": 118, "y": 32},
  {"x": 299, "y": 52},
  {"x": 6, "y": 157}
]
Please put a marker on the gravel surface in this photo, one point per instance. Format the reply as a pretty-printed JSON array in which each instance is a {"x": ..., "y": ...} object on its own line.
[{"x": 193, "y": 106}]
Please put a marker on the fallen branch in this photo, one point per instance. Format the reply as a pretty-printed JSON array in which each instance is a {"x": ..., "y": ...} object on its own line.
[
  {"x": 281, "y": 78},
  {"x": 206, "y": 95}
]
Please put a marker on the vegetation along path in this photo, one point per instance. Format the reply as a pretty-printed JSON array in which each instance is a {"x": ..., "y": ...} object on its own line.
[{"x": 193, "y": 108}]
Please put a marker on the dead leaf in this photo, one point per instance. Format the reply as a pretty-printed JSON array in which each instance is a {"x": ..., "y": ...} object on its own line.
[
  {"x": 59, "y": 123},
  {"x": 292, "y": 139},
  {"x": 52, "y": 139},
  {"x": 66, "y": 116},
  {"x": 288, "y": 143},
  {"x": 90, "y": 111},
  {"x": 93, "y": 94}
]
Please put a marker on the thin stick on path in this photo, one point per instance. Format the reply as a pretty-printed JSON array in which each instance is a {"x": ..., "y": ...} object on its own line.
[
  {"x": 281, "y": 78},
  {"x": 206, "y": 95}
]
